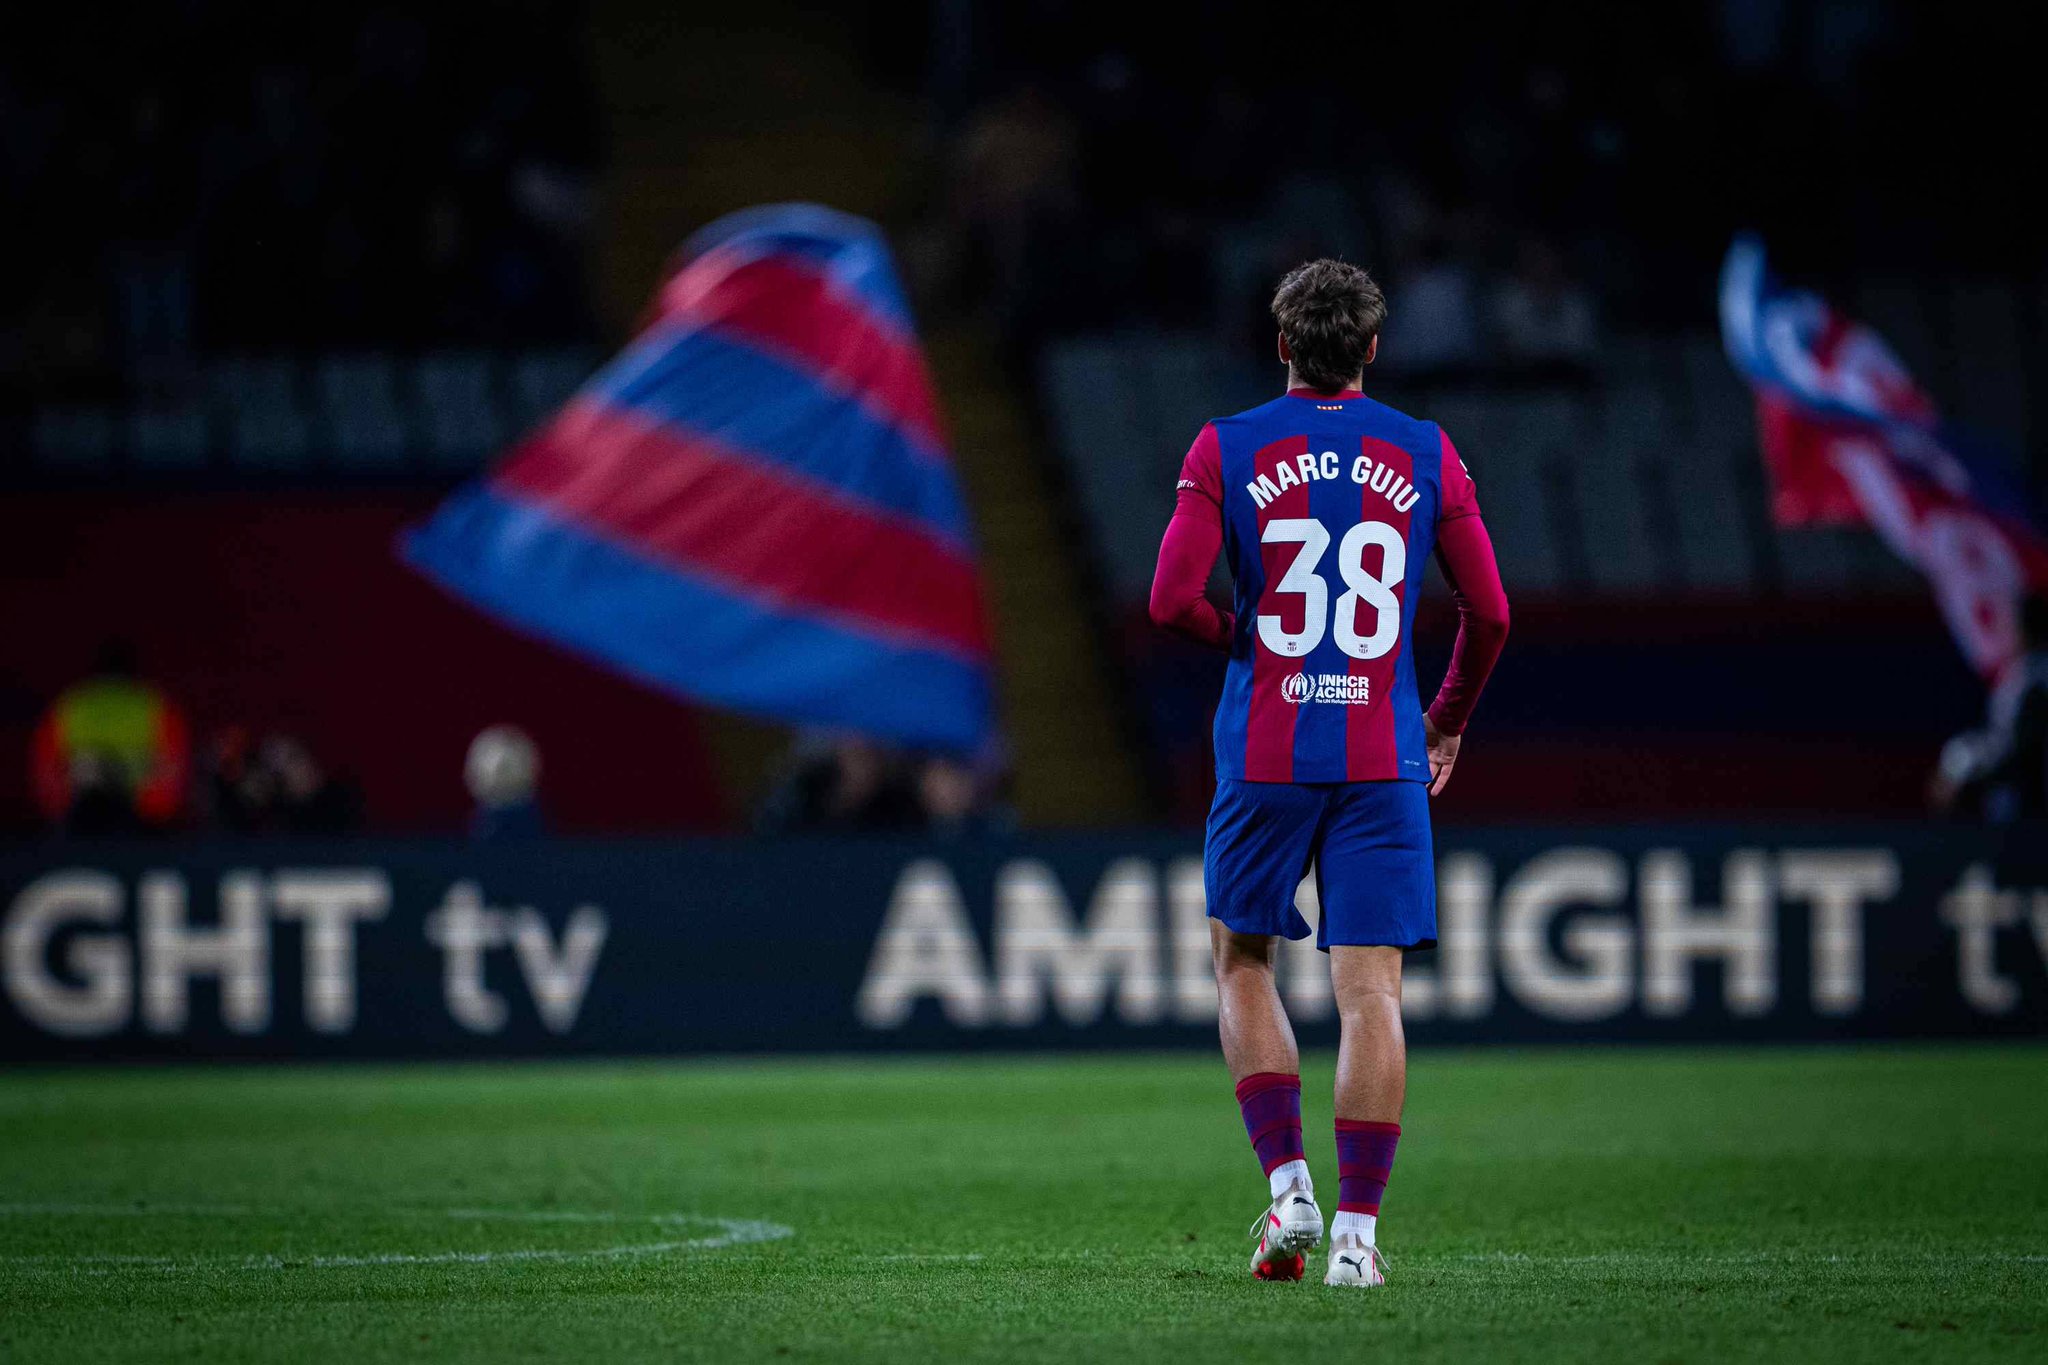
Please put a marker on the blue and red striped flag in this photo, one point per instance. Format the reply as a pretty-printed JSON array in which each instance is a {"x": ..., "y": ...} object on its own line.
[
  {"x": 1850, "y": 439},
  {"x": 752, "y": 505}
]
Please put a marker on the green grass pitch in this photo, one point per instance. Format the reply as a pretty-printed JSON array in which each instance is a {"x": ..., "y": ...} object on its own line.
[{"x": 1547, "y": 1205}]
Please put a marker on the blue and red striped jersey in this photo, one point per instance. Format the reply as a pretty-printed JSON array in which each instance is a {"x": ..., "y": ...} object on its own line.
[{"x": 1330, "y": 505}]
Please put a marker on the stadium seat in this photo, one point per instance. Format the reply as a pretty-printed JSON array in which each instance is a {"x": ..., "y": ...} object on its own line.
[
  {"x": 459, "y": 407},
  {"x": 1816, "y": 561},
  {"x": 1186, "y": 383},
  {"x": 73, "y": 439},
  {"x": 167, "y": 438},
  {"x": 1651, "y": 485},
  {"x": 360, "y": 415},
  {"x": 1878, "y": 569},
  {"x": 1696, "y": 511},
  {"x": 1715, "y": 513},
  {"x": 1119, "y": 470},
  {"x": 255, "y": 400},
  {"x": 1508, "y": 460},
  {"x": 1621, "y": 500}
]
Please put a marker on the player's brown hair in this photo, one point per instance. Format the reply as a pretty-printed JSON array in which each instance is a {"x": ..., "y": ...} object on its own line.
[{"x": 1329, "y": 311}]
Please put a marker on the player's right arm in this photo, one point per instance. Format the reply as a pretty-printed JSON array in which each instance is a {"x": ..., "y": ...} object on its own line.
[
  {"x": 1194, "y": 537},
  {"x": 1465, "y": 554}
]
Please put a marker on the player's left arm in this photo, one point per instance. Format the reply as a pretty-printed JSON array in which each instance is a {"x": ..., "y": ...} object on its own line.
[
  {"x": 1194, "y": 537},
  {"x": 1465, "y": 554}
]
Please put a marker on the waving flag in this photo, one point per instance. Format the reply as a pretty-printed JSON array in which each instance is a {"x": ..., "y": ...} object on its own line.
[
  {"x": 752, "y": 505},
  {"x": 1850, "y": 439}
]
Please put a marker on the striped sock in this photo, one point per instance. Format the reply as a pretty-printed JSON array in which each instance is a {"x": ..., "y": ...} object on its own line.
[
  {"x": 1365, "y": 1158},
  {"x": 1271, "y": 1102}
]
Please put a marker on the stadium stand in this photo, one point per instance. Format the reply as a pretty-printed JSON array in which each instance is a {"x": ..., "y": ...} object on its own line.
[{"x": 1091, "y": 243}]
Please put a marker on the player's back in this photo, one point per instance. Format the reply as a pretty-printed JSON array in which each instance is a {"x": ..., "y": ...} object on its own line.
[{"x": 1330, "y": 508}]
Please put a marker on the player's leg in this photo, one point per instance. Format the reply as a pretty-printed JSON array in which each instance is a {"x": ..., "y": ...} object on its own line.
[
  {"x": 1372, "y": 1083},
  {"x": 1378, "y": 882},
  {"x": 1372, "y": 1052},
  {"x": 1259, "y": 839},
  {"x": 1259, "y": 1048},
  {"x": 1257, "y": 1037}
]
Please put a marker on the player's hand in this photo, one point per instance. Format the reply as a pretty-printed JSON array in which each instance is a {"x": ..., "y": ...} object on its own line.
[{"x": 1443, "y": 754}]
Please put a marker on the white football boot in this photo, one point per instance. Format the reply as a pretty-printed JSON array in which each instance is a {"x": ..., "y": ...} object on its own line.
[
  {"x": 1354, "y": 1262},
  {"x": 1290, "y": 1227}
]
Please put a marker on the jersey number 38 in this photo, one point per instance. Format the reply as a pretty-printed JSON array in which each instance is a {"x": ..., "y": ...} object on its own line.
[{"x": 1362, "y": 588}]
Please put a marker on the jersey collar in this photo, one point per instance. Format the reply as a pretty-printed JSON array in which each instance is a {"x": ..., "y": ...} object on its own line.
[{"x": 1338, "y": 396}]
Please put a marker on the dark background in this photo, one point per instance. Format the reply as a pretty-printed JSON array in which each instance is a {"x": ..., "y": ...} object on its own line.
[{"x": 278, "y": 278}]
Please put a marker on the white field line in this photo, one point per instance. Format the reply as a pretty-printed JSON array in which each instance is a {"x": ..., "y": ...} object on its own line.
[
  {"x": 739, "y": 1232},
  {"x": 729, "y": 1232}
]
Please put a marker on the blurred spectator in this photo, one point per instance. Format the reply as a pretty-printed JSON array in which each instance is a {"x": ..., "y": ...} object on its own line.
[
  {"x": 1432, "y": 329},
  {"x": 1184, "y": 135},
  {"x": 232, "y": 790},
  {"x": 349, "y": 176},
  {"x": 1015, "y": 201},
  {"x": 959, "y": 798},
  {"x": 2000, "y": 773},
  {"x": 310, "y": 799},
  {"x": 112, "y": 754},
  {"x": 1542, "y": 318},
  {"x": 502, "y": 772},
  {"x": 277, "y": 787},
  {"x": 946, "y": 792},
  {"x": 842, "y": 782}
]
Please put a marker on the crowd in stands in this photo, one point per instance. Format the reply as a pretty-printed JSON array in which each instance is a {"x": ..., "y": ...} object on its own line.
[
  {"x": 846, "y": 783},
  {"x": 1577, "y": 173},
  {"x": 208, "y": 179},
  {"x": 1103, "y": 190},
  {"x": 113, "y": 756},
  {"x": 1054, "y": 254},
  {"x": 211, "y": 176}
]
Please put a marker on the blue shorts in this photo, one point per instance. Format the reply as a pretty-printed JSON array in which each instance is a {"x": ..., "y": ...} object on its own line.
[{"x": 1368, "y": 841}]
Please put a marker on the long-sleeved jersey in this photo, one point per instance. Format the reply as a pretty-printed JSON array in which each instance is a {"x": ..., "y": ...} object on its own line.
[{"x": 1328, "y": 506}]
